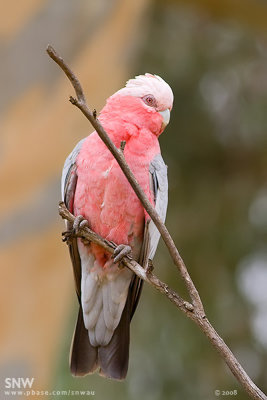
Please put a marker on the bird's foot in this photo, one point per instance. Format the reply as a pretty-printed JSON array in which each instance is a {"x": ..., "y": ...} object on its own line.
[
  {"x": 121, "y": 251},
  {"x": 67, "y": 236},
  {"x": 79, "y": 222}
]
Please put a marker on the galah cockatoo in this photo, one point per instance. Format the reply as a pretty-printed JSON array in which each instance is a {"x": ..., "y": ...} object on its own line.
[{"x": 94, "y": 187}]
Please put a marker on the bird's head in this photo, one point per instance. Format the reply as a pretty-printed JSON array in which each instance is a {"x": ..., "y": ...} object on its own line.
[{"x": 147, "y": 100}]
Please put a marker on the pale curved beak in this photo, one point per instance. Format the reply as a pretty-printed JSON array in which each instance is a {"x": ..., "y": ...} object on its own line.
[{"x": 166, "y": 116}]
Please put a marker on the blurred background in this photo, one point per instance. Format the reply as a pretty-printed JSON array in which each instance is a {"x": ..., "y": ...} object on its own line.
[{"x": 214, "y": 56}]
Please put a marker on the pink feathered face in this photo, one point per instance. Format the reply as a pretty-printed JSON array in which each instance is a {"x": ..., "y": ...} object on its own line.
[{"x": 147, "y": 100}]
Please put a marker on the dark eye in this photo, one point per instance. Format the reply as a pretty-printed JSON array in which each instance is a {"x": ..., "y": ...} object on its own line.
[{"x": 150, "y": 100}]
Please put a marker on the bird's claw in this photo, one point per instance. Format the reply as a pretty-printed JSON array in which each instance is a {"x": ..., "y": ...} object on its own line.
[
  {"x": 79, "y": 222},
  {"x": 67, "y": 236},
  {"x": 121, "y": 251}
]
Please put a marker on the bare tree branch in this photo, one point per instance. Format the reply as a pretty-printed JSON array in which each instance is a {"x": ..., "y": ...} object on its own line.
[{"x": 194, "y": 311}]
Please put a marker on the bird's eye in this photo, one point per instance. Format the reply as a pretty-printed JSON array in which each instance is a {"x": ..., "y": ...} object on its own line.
[{"x": 150, "y": 100}]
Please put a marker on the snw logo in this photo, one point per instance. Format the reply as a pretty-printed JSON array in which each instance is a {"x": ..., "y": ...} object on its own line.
[{"x": 18, "y": 383}]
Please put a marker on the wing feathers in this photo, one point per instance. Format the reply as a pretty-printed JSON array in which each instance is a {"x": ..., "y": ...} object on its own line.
[
  {"x": 158, "y": 170},
  {"x": 70, "y": 161},
  {"x": 159, "y": 187},
  {"x": 83, "y": 359}
]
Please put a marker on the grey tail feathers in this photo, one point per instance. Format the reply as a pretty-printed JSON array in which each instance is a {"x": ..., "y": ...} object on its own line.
[{"x": 112, "y": 359}]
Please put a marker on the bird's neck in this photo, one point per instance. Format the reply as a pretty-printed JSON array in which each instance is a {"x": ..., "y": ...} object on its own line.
[{"x": 127, "y": 118}]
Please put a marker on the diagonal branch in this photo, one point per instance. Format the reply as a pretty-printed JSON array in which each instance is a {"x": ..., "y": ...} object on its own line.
[{"x": 195, "y": 311}]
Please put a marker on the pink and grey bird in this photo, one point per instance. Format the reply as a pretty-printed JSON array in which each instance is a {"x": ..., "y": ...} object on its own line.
[{"x": 94, "y": 187}]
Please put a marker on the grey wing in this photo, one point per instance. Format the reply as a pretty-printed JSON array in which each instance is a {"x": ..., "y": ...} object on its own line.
[
  {"x": 68, "y": 187},
  {"x": 83, "y": 356},
  {"x": 68, "y": 165},
  {"x": 159, "y": 187}
]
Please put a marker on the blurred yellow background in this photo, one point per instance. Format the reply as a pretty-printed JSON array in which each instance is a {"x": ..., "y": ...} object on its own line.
[{"x": 214, "y": 55}]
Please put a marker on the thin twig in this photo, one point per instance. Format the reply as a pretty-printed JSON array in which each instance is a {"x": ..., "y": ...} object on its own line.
[
  {"x": 74, "y": 80},
  {"x": 194, "y": 311}
]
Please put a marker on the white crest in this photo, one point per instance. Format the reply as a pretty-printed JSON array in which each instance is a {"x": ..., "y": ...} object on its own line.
[{"x": 143, "y": 85}]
